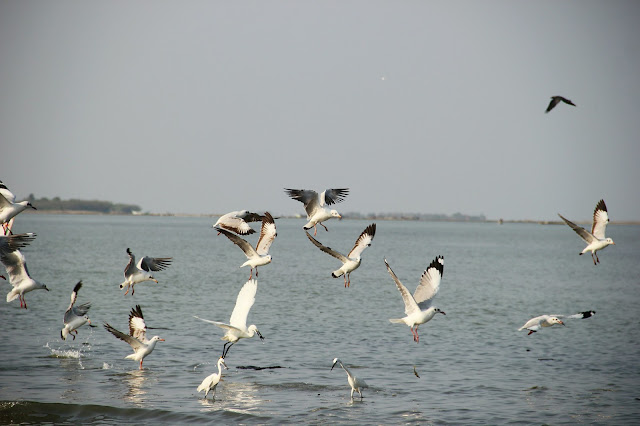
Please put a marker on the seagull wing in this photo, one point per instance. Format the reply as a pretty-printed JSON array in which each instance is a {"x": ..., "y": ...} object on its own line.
[
  {"x": 16, "y": 266},
  {"x": 74, "y": 295},
  {"x": 137, "y": 326},
  {"x": 220, "y": 324},
  {"x": 583, "y": 233},
  {"x": 579, "y": 315},
  {"x": 236, "y": 222},
  {"x": 534, "y": 322},
  {"x": 306, "y": 196},
  {"x": 130, "y": 269},
  {"x": 154, "y": 263},
  {"x": 566, "y": 101},
  {"x": 244, "y": 302},
  {"x": 363, "y": 241},
  {"x": 135, "y": 344},
  {"x": 332, "y": 196},
  {"x": 243, "y": 244},
  {"x": 341, "y": 257},
  {"x": 248, "y": 216},
  {"x": 429, "y": 283},
  {"x": 410, "y": 305},
  {"x": 600, "y": 220},
  {"x": 553, "y": 103},
  {"x": 6, "y": 193},
  {"x": 14, "y": 242},
  {"x": 4, "y": 202},
  {"x": 267, "y": 234}
]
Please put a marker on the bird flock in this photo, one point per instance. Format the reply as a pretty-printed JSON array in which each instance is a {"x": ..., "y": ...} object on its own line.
[{"x": 419, "y": 308}]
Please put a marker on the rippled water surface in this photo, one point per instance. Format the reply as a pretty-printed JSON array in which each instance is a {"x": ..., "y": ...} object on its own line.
[{"x": 474, "y": 366}]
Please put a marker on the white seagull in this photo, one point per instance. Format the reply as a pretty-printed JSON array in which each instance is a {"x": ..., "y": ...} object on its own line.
[
  {"x": 595, "y": 239},
  {"x": 16, "y": 266},
  {"x": 237, "y": 328},
  {"x": 355, "y": 383},
  {"x": 535, "y": 324},
  {"x": 137, "y": 273},
  {"x": 137, "y": 336},
  {"x": 316, "y": 206},
  {"x": 8, "y": 206},
  {"x": 350, "y": 262},
  {"x": 555, "y": 100},
  {"x": 210, "y": 382},
  {"x": 75, "y": 316},
  {"x": 418, "y": 307},
  {"x": 237, "y": 221},
  {"x": 260, "y": 255}
]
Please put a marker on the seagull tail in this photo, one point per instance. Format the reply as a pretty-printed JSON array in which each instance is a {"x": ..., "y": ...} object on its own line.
[
  {"x": 396, "y": 320},
  {"x": 12, "y": 295},
  {"x": 336, "y": 274}
]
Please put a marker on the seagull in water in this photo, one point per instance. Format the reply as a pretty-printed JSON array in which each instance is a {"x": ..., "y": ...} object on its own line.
[
  {"x": 418, "y": 307},
  {"x": 137, "y": 336},
  {"x": 535, "y": 324},
  {"x": 260, "y": 255},
  {"x": 595, "y": 239},
  {"x": 237, "y": 328},
  {"x": 16, "y": 266},
  {"x": 137, "y": 273},
  {"x": 237, "y": 222},
  {"x": 350, "y": 262},
  {"x": 316, "y": 206},
  {"x": 75, "y": 316},
  {"x": 555, "y": 100},
  {"x": 355, "y": 383},
  {"x": 210, "y": 382},
  {"x": 8, "y": 206}
]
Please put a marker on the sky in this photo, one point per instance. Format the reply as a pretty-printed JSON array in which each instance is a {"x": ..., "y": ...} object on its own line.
[{"x": 205, "y": 107}]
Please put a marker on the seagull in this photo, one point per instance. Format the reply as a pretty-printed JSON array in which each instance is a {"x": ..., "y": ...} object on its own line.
[
  {"x": 237, "y": 327},
  {"x": 137, "y": 273},
  {"x": 75, "y": 316},
  {"x": 595, "y": 239},
  {"x": 355, "y": 383},
  {"x": 418, "y": 307},
  {"x": 350, "y": 262},
  {"x": 260, "y": 255},
  {"x": 16, "y": 266},
  {"x": 555, "y": 100},
  {"x": 210, "y": 382},
  {"x": 8, "y": 206},
  {"x": 316, "y": 206},
  {"x": 535, "y": 324},
  {"x": 137, "y": 336},
  {"x": 237, "y": 222}
]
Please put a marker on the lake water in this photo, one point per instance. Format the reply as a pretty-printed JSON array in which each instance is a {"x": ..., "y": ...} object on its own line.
[{"x": 474, "y": 366}]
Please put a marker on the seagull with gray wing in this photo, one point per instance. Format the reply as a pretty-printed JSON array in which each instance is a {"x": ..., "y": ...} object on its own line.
[
  {"x": 142, "y": 271},
  {"x": 75, "y": 316},
  {"x": 595, "y": 239},
  {"x": 316, "y": 205}
]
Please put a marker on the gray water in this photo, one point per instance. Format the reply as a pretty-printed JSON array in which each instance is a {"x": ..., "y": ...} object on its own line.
[{"x": 474, "y": 366}]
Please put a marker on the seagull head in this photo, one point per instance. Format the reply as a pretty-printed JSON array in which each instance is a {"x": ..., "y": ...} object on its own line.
[
  {"x": 334, "y": 213},
  {"x": 610, "y": 241},
  {"x": 157, "y": 339},
  {"x": 555, "y": 320},
  {"x": 438, "y": 311}
]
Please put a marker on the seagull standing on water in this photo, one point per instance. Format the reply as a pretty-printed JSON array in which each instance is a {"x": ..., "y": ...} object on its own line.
[
  {"x": 535, "y": 324},
  {"x": 555, "y": 100},
  {"x": 418, "y": 307},
  {"x": 260, "y": 255},
  {"x": 8, "y": 206},
  {"x": 237, "y": 221},
  {"x": 237, "y": 327},
  {"x": 355, "y": 383},
  {"x": 75, "y": 316},
  {"x": 16, "y": 266},
  {"x": 210, "y": 382},
  {"x": 134, "y": 274},
  {"x": 316, "y": 206},
  {"x": 350, "y": 262},
  {"x": 137, "y": 336},
  {"x": 595, "y": 239}
]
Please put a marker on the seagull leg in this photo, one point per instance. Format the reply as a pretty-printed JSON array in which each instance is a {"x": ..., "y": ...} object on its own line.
[
  {"x": 592, "y": 258},
  {"x": 256, "y": 272},
  {"x": 417, "y": 336},
  {"x": 73, "y": 335},
  {"x": 324, "y": 226},
  {"x": 345, "y": 280},
  {"x": 140, "y": 364},
  {"x": 315, "y": 230},
  {"x": 133, "y": 290},
  {"x": 596, "y": 253},
  {"x": 251, "y": 274},
  {"x": 127, "y": 292},
  {"x": 531, "y": 332}
]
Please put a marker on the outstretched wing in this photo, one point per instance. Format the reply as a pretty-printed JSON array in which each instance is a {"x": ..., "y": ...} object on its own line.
[
  {"x": 74, "y": 295},
  {"x": 243, "y": 244},
  {"x": 244, "y": 302},
  {"x": 130, "y": 269},
  {"x": 363, "y": 241},
  {"x": 219, "y": 324},
  {"x": 341, "y": 257},
  {"x": 579, "y": 315},
  {"x": 237, "y": 222},
  {"x": 600, "y": 220},
  {"x": 307, "y": 197},
  {"x": 410, "y": 305},
  {"x": 429, "y": 283},
  {"x": 135, "y": 344},
  {"x": 267, "y": 234},
  {"x": 14, "y": 242},
  {"x": 137, "y": 326},
  {"x": 6, "y": 194},
  {"x": 332, "y": 196},
  {"x": 16, "y": 266},
  {"x": 583, "y": 233},
  {"x": 154, "y": 263}
]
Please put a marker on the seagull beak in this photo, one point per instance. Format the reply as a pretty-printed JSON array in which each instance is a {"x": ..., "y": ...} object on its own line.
[
  {"x": 156, "y": 281},
  {"x": 160, "y": 340},
  {"x": 89, "y": 322},
  {"x": 613, "y": 243},
  {"x": 259, "y": 335},
  {"x": 442, "y": 312},
  {"x": 562, "y": 323}
]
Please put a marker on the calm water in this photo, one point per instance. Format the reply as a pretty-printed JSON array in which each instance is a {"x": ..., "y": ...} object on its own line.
[{"x": 474, "y": 366}]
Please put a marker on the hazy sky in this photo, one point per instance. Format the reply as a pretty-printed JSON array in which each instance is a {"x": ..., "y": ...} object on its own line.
[{"x": 417, "y": 106}]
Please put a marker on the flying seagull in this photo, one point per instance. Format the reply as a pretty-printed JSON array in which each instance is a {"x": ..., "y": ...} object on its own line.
[
  {"x": 75, "y": 316},
  {"x": 418, "y": 307},
  {"x": 555, "y": 100},
  {"x": 260, "y": 255},
  {"x": 137, "y": 273},
  {"x": 137, "y": 336},
  {"x": 595, "y": 239},
  {"x": 535, "y": 324},
  {"x": 8, "y": 206},
  {"x": 16, "y": 266},
  {"x": 237, "y": 221},
  {"x": 350, "y": 262},
  {"x": 316, "y": 206}
]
